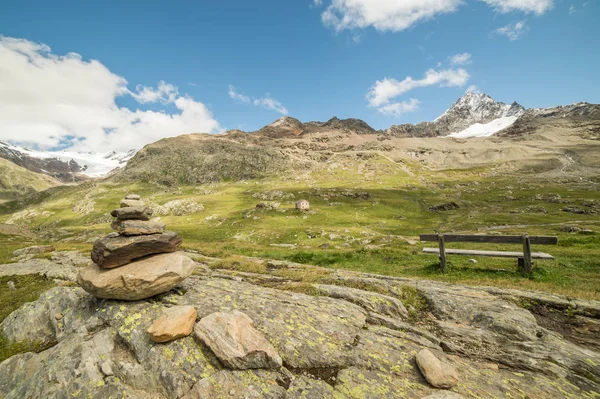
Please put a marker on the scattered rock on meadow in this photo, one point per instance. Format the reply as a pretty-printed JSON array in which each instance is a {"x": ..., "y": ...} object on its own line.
[
  {"x": 133, "y": 197},
  {"x": 444, "y": 207},
  {"x": 437, "y": 373},
  {"x": 132, "y": 212},
  {"x": 109, "y": 252},
  {"x": 176, "y": 322},
  {"x": 234, "y": 340},
  {"x": 35, "y": 250},
  {"x": 141, "y": 279},
  {"x": 137, "y": 227}
]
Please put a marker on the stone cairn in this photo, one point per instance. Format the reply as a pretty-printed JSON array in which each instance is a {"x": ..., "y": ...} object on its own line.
[{"x": 138, "y": 260}]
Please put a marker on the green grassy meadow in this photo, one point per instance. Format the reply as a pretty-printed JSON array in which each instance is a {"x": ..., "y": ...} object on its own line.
[{"x": 367, "y": 211}]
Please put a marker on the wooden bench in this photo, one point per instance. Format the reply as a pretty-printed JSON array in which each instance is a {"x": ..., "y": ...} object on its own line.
[{"x": 524, "y": 257}]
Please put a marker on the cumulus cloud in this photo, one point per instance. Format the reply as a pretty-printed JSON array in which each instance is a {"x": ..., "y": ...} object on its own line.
[
  {"x": 384, "y": 90},
  {"x": 49, "y": 100},
  {"x": 461, "y": 59},
  {"x": 398, "y": 15},
  {"x": 513, "y": 31},
  {"x": 528, "y": 6},
  {"x": 399, "y": 108},
  {"x": 266, "y": 102},
  {"x": 384, "y": 15}
]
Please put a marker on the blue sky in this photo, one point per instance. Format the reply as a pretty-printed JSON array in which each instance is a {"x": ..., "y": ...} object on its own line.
[{"x": 311, "y": 59}]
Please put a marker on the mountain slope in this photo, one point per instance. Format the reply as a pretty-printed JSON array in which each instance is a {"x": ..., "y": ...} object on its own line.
[{"x": 16, "y": 181}]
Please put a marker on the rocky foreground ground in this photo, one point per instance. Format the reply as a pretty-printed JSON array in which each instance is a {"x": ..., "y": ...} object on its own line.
[{"x": 341, "y": 342}]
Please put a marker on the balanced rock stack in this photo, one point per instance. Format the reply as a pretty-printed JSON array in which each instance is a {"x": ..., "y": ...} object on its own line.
[{"x": 139, "y": 260}]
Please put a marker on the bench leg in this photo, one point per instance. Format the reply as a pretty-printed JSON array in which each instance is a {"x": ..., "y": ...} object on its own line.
[
  {"x": 442, "y": 253},
  {"x": 527, "y": 264}
]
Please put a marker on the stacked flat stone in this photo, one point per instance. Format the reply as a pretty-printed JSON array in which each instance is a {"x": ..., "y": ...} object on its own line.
[{"x": 138, "y": 260}]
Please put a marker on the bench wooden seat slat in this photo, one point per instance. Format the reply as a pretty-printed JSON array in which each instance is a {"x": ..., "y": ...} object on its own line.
[
  {"x": 497, "y": 254},
  {"x": 539, "y": 240}
]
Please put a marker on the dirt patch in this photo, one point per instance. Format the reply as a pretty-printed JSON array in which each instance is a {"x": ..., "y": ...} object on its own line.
[{"x": 581, "y": 330}]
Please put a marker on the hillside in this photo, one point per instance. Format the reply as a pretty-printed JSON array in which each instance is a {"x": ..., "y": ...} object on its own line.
[{"x": 16, "y": 181}]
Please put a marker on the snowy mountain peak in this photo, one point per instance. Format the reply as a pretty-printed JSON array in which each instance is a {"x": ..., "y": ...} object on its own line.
[{"x": 477, "y": 109}]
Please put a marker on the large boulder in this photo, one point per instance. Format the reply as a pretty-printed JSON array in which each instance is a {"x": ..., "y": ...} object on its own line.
[
  {"x": 137, "y": 280},
  {"x": 132, "y": 212},
  {"x": 235, "y": 341},
  {"x": 109, "y": 251},
  {"x": 137, "y": 227}
]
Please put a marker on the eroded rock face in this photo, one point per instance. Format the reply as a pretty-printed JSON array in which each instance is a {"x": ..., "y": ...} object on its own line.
[
  {"x": 437, "y": 373},
  {"x": 234, "y": 340},
  {"x": 141, "y": 279},
  {"x": 110, "y": 252},
  {"x": 132, "y": 213},
  {"x": 137, "y": 227},
  {"x": 176, "y": 322}
]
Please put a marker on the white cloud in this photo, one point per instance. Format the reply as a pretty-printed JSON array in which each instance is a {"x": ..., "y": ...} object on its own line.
[
  {"x": 399, "y": 108},
  {"x": 165, "y": 93},
  {"x": 572, "y": 9},
  {"x": 238, "y": 96},
  {"x": 265, "y": 102},
  {"x": 461, "y": 59},
  {"x": 528, "y": 6},
  {"x": 47, "y": 100},
  {"x": 383, "y": 15},
  {"x": 513, "y": 31},
  {"x": 398, "y": 15},
  {"x": 384, "y": 90},
  {"x": 473, "y": 89}
]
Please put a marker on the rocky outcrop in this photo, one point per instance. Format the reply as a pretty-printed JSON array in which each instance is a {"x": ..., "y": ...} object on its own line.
[
  {"x": 234, "y": 340},
  {"x": 330, "y": 347},
  {"x": 176, "y": 322},
  {"x": 32, "y": 251}
]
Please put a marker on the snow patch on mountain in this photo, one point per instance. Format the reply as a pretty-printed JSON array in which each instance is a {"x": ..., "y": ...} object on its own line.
[{"x": 485, "y": 129}]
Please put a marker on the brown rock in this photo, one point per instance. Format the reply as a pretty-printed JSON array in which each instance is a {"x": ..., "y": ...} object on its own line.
[
  {"x": 234, "y": 340},
  {"x": 438, "y": 374},
  {"x": 137, "y": 227},
  {"x": 132, "y": 213},
  {"x": 109, "y": 252},
  {"x": 176, "y": 322},
  {"x": 129, "y": 203},
  {"x": 141, "y": 279}
]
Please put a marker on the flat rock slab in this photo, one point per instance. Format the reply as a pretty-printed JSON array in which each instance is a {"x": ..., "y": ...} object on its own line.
[
  {"x": 132, "y": 197},
  {"x": 176, "y": 322},
  {"x": 137, "y": 227},
  {"x": 141, "y": 279},
  {"x": 437, "y": 373},
  {"x": 109, "y": 252},
  {"x": 126, "y": 203},
  {"x": 132, "y": 213},
  {"x": 234, "y": 340}
]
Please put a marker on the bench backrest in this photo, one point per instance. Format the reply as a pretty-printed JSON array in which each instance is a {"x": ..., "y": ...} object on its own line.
[{"x": 538, "y": 240}]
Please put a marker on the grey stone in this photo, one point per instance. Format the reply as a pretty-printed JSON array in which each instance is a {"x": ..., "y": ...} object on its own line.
[
  {"x": 35, "y": 250},
  {"x": 132, "y": 213},
  {"x": 127, "y": 203},
  {"x": 133, "y": 197},
  {"x": 137, "y": 227}
]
